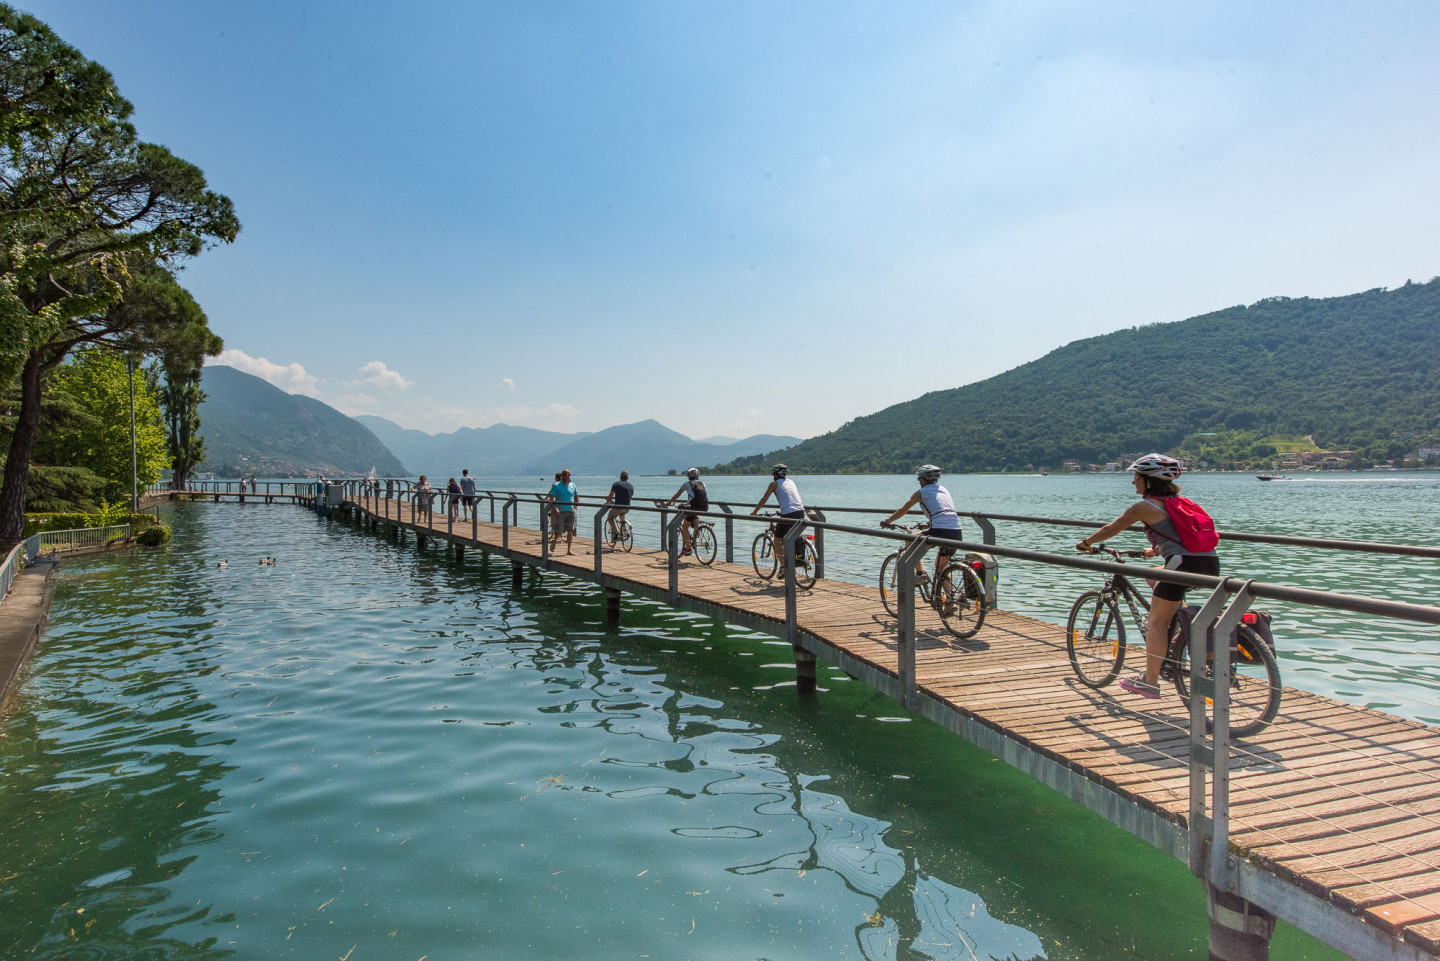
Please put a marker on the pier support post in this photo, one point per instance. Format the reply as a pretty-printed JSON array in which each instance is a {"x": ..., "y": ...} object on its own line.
[
  {"x": 612, "y": 607},
  {"x": 419, "y": 541},
  {"x": 460, "y": 552},
  {"x": 804, "y": 671},
  {"x": 517, "y": 574},
  {"x": 1239, "y": 930}
]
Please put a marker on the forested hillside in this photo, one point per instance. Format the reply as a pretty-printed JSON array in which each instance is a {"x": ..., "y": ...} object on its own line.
[{"x": 1355, "y": 372}]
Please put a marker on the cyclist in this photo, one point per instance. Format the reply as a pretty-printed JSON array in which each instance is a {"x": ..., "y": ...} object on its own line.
[
  {"x": 696, "y": 499},
  {"x": 939, "y": 508},
  {"x": 787, "y": 495},
  {"x": 621, "y": 493},
  {"x": 1154, "y": 477}
]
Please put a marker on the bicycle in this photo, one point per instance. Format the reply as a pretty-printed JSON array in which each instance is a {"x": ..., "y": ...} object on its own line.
[
  {"x": 961, "y": 606},
  {"x": 766, "y": 564},
  {"x": 1095, "y": 640},
  {"x": 619, "y": 534}
]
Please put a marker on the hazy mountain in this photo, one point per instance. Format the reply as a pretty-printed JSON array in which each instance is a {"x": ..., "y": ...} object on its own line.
[
  {"x": 253, "y": 427},
  {"x": 1355, "y": 372},
  {"x": 487, "y": 451},
  {"x": 647, "y": 447}
]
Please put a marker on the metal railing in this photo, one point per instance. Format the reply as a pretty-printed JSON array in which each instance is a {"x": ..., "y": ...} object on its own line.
[{"x": 25, "y": 552}]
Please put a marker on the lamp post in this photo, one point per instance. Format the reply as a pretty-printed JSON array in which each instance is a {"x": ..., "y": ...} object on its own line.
[{"x": 134, "y": 485}]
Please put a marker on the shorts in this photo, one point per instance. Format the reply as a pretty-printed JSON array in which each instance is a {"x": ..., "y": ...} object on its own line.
[
  {"x": 468, "y": 499},
  {"x": 1190, "y": 564},
  {"x": 565, "y": 522},
  {"x": 949, "y": 534},
  {"x": 618, "y": 512},
  {"x": 782, "y": 527}
]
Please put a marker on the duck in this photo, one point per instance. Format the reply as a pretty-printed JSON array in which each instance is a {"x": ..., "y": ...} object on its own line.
[{"x": 223, "y": 564}]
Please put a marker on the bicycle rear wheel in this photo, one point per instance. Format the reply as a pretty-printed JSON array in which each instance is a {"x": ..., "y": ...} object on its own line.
[
  {"x": 960, "y": 600},
  {"x": 805, "y": 564},
  {"x": 705, "y": 545},
  {"x": 1254, "y": 688},
  {"x": 1095, "y": 638},
  {"x": 627, "y": 535},
  {"x": 890, "y": 584},
  {"x": 762, "y": 555}
]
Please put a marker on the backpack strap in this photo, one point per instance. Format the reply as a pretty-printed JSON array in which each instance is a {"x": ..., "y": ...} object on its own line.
[{"x": 1153, "y": 532}]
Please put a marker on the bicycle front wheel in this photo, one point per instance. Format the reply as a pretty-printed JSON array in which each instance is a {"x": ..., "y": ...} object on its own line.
[
  {"x": 762, "y": 555},
  {"x": 960, "y": 600},
  {"x": 1095, "y": 638},
  {"x": 1254, "y": 688}
]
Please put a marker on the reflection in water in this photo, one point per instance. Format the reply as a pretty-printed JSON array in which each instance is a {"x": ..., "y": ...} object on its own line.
[{"x": 373, "y": 749}]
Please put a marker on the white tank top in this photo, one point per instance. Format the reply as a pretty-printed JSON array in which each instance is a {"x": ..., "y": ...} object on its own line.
[
  {"x": 937, "y": 503},
  {"x": 788, "y": 495}
]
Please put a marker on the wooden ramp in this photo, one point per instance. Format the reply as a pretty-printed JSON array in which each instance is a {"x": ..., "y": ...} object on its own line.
[{"x": 1334, "y": 809}]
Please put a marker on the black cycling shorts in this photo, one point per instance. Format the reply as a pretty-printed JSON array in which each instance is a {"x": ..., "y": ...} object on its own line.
[
  {"x": 1190, "y": 564},
  {"x": 949, "y": 534}
]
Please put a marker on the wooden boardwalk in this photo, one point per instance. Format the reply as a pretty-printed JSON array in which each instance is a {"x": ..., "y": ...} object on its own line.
[{"x": 1334, "y": 809}]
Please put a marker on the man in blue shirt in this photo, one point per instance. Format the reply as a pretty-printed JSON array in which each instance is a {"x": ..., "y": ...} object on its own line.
[{"x": 564, "y": 496}]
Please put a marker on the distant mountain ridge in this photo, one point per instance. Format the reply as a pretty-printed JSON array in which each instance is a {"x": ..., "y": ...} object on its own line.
[
  {"x": 252, "y": 427},
  {"x": 646, "y": 447},
  {"x": 1355, "y": 372}
]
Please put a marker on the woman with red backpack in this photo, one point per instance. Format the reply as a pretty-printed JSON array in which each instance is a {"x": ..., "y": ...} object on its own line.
[{"x": 1180, "y": 532}]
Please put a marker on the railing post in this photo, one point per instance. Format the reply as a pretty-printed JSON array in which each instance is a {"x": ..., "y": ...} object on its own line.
[
  {"x": 512, "y": 503},
  {"x": 664, "y": 523},
  {"x": 987, "y": 529},
  {"x": 599, "y": 521},
  {"x": 792, "y": 604},
  {"x": 544, "y": 535},
  {"x": 671, "y": 535},
  {"x": 729, "y": 533},
  {"x": 905, "y": 564}
]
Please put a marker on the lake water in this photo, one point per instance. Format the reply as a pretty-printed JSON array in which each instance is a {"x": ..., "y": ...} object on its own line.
[{"x": 370, "y": 751}]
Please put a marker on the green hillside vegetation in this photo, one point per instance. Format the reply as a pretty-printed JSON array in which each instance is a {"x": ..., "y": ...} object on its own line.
[
  {"x": 252, "y": 427},
  {"x": 1239, "y": 385}
]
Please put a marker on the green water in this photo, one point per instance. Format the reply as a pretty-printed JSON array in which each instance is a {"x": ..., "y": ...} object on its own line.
[{"x": 370, "y": 751}]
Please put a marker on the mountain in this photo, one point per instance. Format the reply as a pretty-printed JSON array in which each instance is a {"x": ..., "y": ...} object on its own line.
[
  {"x": 487, "y": 451},
  {"x": 252, "y": 427},
  {"x": 647, "y": 447},
  {"x": 1354, "y": 372}
]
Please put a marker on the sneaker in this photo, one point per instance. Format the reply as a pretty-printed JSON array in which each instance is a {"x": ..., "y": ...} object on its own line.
[
  {"x": 686, "y": 552},
  {"x": 1137, "y": 685}
]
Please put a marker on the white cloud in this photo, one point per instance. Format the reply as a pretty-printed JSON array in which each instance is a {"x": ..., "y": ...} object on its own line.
[
  {"x": 377, "y": 374},
  {"x": 288, "y": 377},
  {"x": 560, "y": 410},
  {"x": 508, "y": 382}
]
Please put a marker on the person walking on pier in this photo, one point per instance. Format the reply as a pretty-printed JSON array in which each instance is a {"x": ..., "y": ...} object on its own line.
[
  {"x": 564, "y": 495},
  {"x": 696, "y": 499},
  {"x": 424, "y": 498},
  {"x": 939, "y": 507},
  {"x": 1154, "y": 477},
  {"x": 453, "y": 490},
  {"x": 621, "y": 493},
  {"x": 787, "y": 496},
  {"x": 467, "y": 493}
]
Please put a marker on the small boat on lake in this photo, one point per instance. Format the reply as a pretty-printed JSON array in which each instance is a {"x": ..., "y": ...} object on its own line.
[{"x": 1269, "y": 477}]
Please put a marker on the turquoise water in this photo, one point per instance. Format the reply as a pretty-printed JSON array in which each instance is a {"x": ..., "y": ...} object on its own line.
[{"x": 370, "y": 751}]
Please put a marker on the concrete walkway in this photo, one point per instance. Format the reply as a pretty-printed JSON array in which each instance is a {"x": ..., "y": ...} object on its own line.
[{"x": 22, "y": 620}]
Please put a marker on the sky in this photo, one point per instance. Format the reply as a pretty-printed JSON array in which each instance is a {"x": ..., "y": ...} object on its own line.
[{"x": 760, "y": 217}]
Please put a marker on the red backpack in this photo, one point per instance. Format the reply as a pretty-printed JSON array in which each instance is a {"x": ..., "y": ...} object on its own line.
[{"x": 1195, "y": 527}]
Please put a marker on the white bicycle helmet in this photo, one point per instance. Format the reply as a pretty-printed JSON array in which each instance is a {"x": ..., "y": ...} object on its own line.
[
  {"x": 779, "y": 470},
  {"x": 927, "y": 474},
  {"x": 693, "y": 473},
  {"x": 1157, "y": 465}
]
